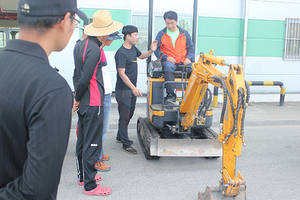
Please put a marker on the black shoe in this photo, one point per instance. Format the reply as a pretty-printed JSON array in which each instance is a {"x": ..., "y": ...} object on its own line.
[
  {"x": 170, "y": 100},
  {"x": 118, "y": 140},
  {"x": 129, "y": 150}
]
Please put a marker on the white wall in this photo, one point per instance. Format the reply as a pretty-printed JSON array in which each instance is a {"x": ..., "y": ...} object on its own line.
[
  {"x": 64, "y": 60},
  {"x": 108, "y": 4},
  {"x": 274, "y": 9},
  {"x": 258, "y": 9},
  {"x": 220, "y": 8}
]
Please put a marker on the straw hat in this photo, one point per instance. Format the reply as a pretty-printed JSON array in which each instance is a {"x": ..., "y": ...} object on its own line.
[{"x": 102, "y": 24}]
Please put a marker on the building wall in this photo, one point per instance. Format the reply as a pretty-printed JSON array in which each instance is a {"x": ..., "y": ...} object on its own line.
[
  {"x": 221, "y": 28},
  {"x": 120, "y": 12}
]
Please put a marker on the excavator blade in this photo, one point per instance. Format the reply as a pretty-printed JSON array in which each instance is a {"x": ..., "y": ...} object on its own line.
[
  {"x": 215, "y": 193},
  {"x": 187, "y": 148}
]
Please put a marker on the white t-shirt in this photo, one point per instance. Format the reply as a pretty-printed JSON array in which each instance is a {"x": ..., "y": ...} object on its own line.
[
  {"x": 106, "y": 80},
  {"x": 105, "y": 74}
]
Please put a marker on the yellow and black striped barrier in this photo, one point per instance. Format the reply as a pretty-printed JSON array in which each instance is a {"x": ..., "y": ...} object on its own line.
[
  {"x": 257, "y": 83},
  {"x": 215, "y": 98}
]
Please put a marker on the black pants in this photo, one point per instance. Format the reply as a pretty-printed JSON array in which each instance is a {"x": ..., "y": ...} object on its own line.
[
  {"x": 89, "y": 143},
  {"x": 126, "y": 106}
]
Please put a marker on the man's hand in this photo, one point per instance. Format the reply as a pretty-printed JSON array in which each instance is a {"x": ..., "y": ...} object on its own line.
[
  {"x": 137, "y": 92},
  {"x": 171, "y": 60},
  {"x": 186, "y": 62},
  {"x": 153, "y": 46},
  {"x": 75, "y": 105}
]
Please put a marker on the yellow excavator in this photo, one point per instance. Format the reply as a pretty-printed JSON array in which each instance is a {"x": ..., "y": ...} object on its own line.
[{"x": 183, "y": 129}]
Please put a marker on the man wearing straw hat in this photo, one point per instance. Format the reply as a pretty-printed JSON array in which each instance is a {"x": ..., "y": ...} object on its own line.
[
  {"x": 75, "y": 81},
  {"x": 35, "y": 101},
  {"x": 99, "y": 165},
  {"x": 89, "y": 96}
]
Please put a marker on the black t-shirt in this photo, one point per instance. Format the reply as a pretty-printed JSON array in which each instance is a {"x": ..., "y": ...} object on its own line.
[{"x": 127, "y": 58}]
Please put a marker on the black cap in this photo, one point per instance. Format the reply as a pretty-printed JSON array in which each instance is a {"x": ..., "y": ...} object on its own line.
[{"x": 48, "y": 8}]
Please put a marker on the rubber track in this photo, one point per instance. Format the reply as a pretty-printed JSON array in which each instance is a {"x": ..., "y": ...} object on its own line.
[{"x": 150, "y": 127}]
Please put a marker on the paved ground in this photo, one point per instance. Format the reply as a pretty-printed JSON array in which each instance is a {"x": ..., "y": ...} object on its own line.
[{"x": 270, "y": 162}]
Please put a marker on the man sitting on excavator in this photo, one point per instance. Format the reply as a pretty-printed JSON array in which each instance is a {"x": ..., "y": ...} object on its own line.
[{"x": 178, "y": 49}]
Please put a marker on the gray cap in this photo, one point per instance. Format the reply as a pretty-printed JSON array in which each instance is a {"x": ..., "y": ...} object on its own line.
[{"x": 115, "y": 36}]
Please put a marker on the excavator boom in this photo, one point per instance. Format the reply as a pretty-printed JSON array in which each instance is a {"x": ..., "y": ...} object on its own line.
[{"x": 236, "y": 97}]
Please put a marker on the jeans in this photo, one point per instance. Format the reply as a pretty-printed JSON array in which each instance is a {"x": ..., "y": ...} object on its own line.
[
  {"x": 169, "y": 67},
  {"x": 106, "y": 117}
]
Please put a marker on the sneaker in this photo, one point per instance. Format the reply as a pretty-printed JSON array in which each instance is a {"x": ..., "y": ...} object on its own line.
[
  {"x": 118, "y": 140},
  {"x": 105, "y": 158},
  {"x": 129, "y": 150},
  {"x": 99, "y": 190},
  {"x": 101, "y": 167},
  {"x": 97, "y": 178},
  {"x": 170, "y": 100}
]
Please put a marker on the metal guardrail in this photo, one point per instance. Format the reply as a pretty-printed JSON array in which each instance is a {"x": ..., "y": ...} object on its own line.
[{"x": 257, "y": 83}]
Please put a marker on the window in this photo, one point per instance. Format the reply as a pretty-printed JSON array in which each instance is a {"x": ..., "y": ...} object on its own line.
[
  {"x": 292, "y": 39},
  {"x": 2, "y": 39},
  {"x": 187, "y": 24},
  {"x": 159, "y": 24},
  {"x": 7, "y": 34},
  {"x": 141, "y": 22},
  {"x": 183, "y": 22},
  {"x": 13, "y": 34}
]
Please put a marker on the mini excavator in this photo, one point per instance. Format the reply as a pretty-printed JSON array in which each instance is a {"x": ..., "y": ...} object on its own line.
[{"x": 183, "y": 129}]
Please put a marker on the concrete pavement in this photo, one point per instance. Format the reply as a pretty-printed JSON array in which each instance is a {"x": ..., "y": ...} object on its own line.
[{"x": 270, "y": 162}]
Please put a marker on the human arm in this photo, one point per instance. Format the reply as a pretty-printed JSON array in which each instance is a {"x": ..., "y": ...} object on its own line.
[
  {"x": 92, "y": 57},
  {"x": 75, "y": 78},
  {"x": 190, "y": 48},
  {"x": 126, "y": 80},
  {"x": 171, "y": 59},
  {"x": 153, "y": 48},
  {"x": 75, "y": 105},
  {"x": 75, "y": 81},
  {"x": 158, "y": 49},
  {"x": 186, "y": 62}
]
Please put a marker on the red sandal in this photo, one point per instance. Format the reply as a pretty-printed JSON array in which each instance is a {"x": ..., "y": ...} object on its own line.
[
  {"x": 97, "y": 178},
  {"x": 99, "y": 190}
]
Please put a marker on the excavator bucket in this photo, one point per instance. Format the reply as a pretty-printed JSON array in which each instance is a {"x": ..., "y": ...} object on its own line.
[{"x": 215, "y": 193}]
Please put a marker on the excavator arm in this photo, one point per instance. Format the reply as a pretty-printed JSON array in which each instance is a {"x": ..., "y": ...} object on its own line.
[
  {"x": 235, "y": 100},
  {"x": 200, "y": 78}
]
